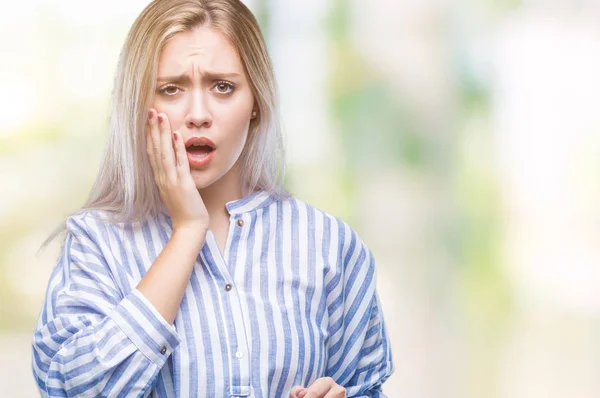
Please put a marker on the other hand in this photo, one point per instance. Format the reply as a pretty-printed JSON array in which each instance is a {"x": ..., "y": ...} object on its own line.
[{"x": 324, "y": 387}]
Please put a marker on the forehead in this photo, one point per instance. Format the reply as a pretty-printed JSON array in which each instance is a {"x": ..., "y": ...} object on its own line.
[{"x": 203, "y": 48}]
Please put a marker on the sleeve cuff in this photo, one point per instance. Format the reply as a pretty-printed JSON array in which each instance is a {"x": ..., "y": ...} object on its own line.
[{"x": 146, "y": 327}]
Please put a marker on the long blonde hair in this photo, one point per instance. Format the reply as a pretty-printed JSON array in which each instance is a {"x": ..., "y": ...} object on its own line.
[{"x": 124, "y": 187}]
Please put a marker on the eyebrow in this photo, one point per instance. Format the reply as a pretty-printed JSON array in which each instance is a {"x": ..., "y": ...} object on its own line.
[{"x": 185, "y": 78}]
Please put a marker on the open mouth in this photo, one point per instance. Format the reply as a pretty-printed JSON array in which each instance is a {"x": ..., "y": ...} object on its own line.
[{"x": 199, "y": 151}]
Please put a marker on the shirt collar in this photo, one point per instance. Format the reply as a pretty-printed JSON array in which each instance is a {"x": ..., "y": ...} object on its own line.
[{"x": 254, "y": 201}]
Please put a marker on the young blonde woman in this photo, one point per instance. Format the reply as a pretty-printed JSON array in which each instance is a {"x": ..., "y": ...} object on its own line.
[{"x": 190, "y": 272}]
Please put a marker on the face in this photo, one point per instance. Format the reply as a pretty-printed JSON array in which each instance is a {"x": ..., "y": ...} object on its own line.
[{"x": 204, "y": 91}]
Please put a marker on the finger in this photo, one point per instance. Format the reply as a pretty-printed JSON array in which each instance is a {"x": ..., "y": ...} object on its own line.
[
  {"x": 150, "y": 143},
  {"x": 149, "y": 150},
  {"x": 166, "y": 146},
  {"x": 319, "y": 388},
  {"x": 295, "y": 390},
  {"x": 336, "y": 391},
  {"x": 155, "y": 138},
  {"x": 183, "y": 166}
]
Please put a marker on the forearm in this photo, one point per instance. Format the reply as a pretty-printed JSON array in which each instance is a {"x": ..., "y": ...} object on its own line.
[
  {"x": 101, "y": 355},
  {"x": 165, "y": 282}
]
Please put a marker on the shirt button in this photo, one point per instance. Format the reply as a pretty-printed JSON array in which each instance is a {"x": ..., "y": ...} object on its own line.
[
  {"x": 163, "y": 349},
  {"x": 228, "y": 287},
  {"x": 240, "y": 222},
  {"x": 239, "y": 355}
]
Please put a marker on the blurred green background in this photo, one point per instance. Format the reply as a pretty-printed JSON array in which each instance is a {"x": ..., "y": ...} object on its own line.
[{"x": 461, "y": 140}]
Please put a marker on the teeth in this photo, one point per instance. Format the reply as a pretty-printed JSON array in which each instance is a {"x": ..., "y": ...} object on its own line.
[{"x": 198, "y": 145}]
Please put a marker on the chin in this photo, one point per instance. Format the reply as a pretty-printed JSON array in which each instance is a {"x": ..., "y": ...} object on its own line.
[{"x": 202, "y": 178}]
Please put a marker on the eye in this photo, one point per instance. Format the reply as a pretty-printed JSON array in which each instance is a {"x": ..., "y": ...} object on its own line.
[
  {"x": 224, "y": 87},
  {"x": 169, "y": 90}
]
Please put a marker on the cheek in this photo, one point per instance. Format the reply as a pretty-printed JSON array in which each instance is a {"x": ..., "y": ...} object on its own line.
[
  {"x": 174, "y": 113},
  {"x": 236, "y": 116},
  {"x": 237, "y": 130}
]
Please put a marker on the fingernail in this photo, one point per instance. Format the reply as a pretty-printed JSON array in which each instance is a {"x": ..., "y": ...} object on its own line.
[
  {"x": 175, "y": 136},
  {"x": 160, "y": 118},
  {"x": 150, "y": 114}
]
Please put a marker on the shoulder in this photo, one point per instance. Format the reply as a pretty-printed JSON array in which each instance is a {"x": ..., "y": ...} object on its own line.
[
  {"x": 85, "y": 230},
  {"x": 82, "y": 218},
  {"x": 100, "y": 227},
  {"x": 341, "y": 234},
  {"x": 89, "y": 221}
]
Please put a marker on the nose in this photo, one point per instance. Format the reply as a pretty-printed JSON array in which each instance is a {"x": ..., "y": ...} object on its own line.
[{"x": 198, "y": 112}]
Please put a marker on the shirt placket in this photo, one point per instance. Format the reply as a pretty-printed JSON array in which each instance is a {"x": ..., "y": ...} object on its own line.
[{"x": 239, "y": 358}]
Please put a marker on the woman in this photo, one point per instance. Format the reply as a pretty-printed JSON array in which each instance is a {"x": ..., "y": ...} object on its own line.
[{"x": 190, "y": 271}]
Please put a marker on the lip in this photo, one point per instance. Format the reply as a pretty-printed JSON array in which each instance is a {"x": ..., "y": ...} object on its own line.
[
  {"x": 200, "y": 140},
  {"x": 193, "y": 160}
]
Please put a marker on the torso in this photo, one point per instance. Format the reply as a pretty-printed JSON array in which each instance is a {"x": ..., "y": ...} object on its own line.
[{"x": 256, "y": 320}]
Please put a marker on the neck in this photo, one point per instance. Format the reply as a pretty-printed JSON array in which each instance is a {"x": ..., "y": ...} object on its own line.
[{"x": 216, "y": 195}]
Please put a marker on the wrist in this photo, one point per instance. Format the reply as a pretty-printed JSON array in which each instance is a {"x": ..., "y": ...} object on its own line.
[{"x": 191, "y": 231}]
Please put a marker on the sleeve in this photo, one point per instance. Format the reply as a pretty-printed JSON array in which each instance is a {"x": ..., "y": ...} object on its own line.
[
  {"x": 90, "y": 339},
  {"x": 360, "y": 356}
]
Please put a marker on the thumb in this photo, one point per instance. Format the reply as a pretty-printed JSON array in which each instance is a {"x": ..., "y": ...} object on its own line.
[{"x": 295, "y": 390}]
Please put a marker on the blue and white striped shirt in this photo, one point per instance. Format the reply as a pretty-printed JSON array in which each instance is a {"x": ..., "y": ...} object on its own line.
[{"x": 291, "y": 299}]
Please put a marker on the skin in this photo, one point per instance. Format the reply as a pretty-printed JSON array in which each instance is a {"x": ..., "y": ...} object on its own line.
[
  {"x": 324, "y": 387},
  {"x": 215, "y": 101}
]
